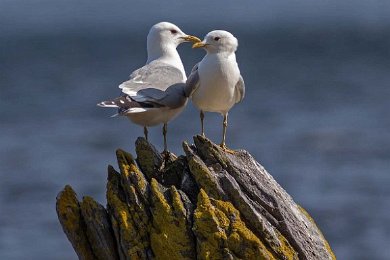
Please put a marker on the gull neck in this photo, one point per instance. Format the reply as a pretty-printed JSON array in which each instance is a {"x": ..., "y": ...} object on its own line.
[
  {"x": 222, "y": 55},
  {"x": 167, "y": 54}
]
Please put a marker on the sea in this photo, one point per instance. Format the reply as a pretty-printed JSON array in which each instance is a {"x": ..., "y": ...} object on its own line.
[{"x": 315, "y": 115}]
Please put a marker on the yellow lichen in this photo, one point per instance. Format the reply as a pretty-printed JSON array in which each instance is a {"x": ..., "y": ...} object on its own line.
[
  {"x": 203, "y": 177},
  {"x": 170, "y": 235},
  {"x": 221, "y": 231},
  {"x": 88, "y": 205},
  {"x": 129, "y": 168},
  {"x": 177, "y": 204},
  {"x": 135, "y": 185},
  {"x": 146, "y": 157},
  {"x": 127, "y": 233},
  {"x": 284, "y": 248},
  {"x": 69, "y": 214},
  {"x": 123, "y": 217},
  {"x": 241, "y": 240},
  {"x": 327, "y": 246},
  {"x": 211, "y": 238}
]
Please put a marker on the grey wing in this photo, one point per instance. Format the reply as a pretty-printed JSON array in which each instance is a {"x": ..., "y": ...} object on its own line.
[
  {"x": 239, "y": 91},
  {"x": 149, "y": 94},
  {"x": 157, "y": 75},
  {"x": 192, "y": 82},
  {"x": 173, "y": 97}
]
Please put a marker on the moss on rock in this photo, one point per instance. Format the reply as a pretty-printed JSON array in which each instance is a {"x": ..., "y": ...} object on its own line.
[
  {"x": 171, "y": 236},
  {"x": 221, "y": 232},
  {"x": 240, "y": 211},
  {"x": 136, "y": 189},
  {"x": 69, "y": 214},
  {"x": 131, "y": 174},
  {"x": 202, "y": 175},
  {"x": 128, "y": 237}
]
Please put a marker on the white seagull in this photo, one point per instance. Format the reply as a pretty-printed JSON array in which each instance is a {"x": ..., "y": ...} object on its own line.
[
  {"x": 155, "y": 93},
  {"x": 215, "y": 83}
]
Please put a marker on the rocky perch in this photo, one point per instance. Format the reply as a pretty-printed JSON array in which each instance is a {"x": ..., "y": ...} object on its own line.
[{"x": 206, "y": 204}]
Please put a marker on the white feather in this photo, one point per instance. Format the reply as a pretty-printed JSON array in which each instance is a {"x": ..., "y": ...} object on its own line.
[
  {"x": 102, "y": 104},
  {"x": 131, "y": 93},
  {"x": 137, "y": 110}
]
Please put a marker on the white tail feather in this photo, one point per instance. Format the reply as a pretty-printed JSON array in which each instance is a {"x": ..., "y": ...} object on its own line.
[
  {"x": 107, "y": 104},
  {"x": 137, "y": 110}
]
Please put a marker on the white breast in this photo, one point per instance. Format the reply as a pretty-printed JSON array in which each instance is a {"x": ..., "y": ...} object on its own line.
[{"x": 218, "y": 76}]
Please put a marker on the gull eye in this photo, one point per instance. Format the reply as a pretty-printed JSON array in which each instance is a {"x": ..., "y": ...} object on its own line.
[
  {"x": 217, "y": 39},
  {"x": 173, "y": 31}
]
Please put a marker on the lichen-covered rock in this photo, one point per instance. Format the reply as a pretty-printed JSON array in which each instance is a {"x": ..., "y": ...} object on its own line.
[
  {"x": 148, "y": 158},
  {"x": 206, "y": 204},
  {"x": 202, "y": 174},
  {"x": 98, "y": 229},
  {"x": 221, "y": 234},
  {"x": 266, "y": 207},
  {"x": 171, "y": 236},
  {"x": 69, "y": 214},
  {"x": 132, "y": 242}
]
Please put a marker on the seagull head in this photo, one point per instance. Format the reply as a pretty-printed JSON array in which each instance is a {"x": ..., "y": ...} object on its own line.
[
  {"x": 168, "y": 34},
  {"x": 162, "y": 41},
  {"x": 218, "y": 41}
]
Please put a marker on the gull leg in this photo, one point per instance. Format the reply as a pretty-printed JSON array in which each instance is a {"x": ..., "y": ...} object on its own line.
[
  {"x": 225, "y": 123},
  {"x": 165, "y": 153},
  {"x": 201, "y": 121},
  {"x": 165, "y": 130},
  {"x": 146, "y": 133},
  {"x": 223, "y": 144}
]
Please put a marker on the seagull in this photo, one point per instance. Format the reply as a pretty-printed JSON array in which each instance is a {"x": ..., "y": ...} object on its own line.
[
  {"x": 155, "y": 93},
  {"x": 215, "y": 83}
]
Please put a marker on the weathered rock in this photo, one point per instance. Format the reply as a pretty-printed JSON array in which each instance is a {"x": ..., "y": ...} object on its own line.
[
  {"x": 129, "y": 227},
  {"x": 268, "y": 209},
  {"x": 98, "y": 229},
  {"x": 171, "y": 236},
  {"x": 221, "y": 233},
  {"x": 69, "y": 214},
  {"x": 208, "y": 204},
  {"x": 148, "y": 158}
]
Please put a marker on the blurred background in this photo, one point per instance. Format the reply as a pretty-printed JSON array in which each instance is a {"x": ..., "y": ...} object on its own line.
[{"x": 315, "y": 114}]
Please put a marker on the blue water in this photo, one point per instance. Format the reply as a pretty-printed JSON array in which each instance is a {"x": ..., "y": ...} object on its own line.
[{"x": 315, "y": 114}]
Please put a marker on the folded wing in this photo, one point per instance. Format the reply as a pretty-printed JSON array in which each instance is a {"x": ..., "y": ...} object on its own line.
[
  {"x": 156, "y": 75},
  {"x": 192, "y": 82},
  {"x": 239, "y": 91},
  {"x": 154, "y": 86}
]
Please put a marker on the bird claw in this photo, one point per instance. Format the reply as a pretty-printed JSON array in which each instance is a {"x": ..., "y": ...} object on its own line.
[{"x": 226, "y": 149}]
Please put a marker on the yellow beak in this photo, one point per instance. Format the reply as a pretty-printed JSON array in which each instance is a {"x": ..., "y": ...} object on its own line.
[
  {"x": 191, "y": 38},
  {"x": 199, "y": 45}
]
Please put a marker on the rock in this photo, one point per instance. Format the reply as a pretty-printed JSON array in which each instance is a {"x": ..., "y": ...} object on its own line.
[
  {"x": 206, "y": 204},
  {"x": 98, "y": 229},
  {"x": 171, "y": 236},
  {"x": 220, "y": 232},
  {"x": 69, "y": 215}
]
